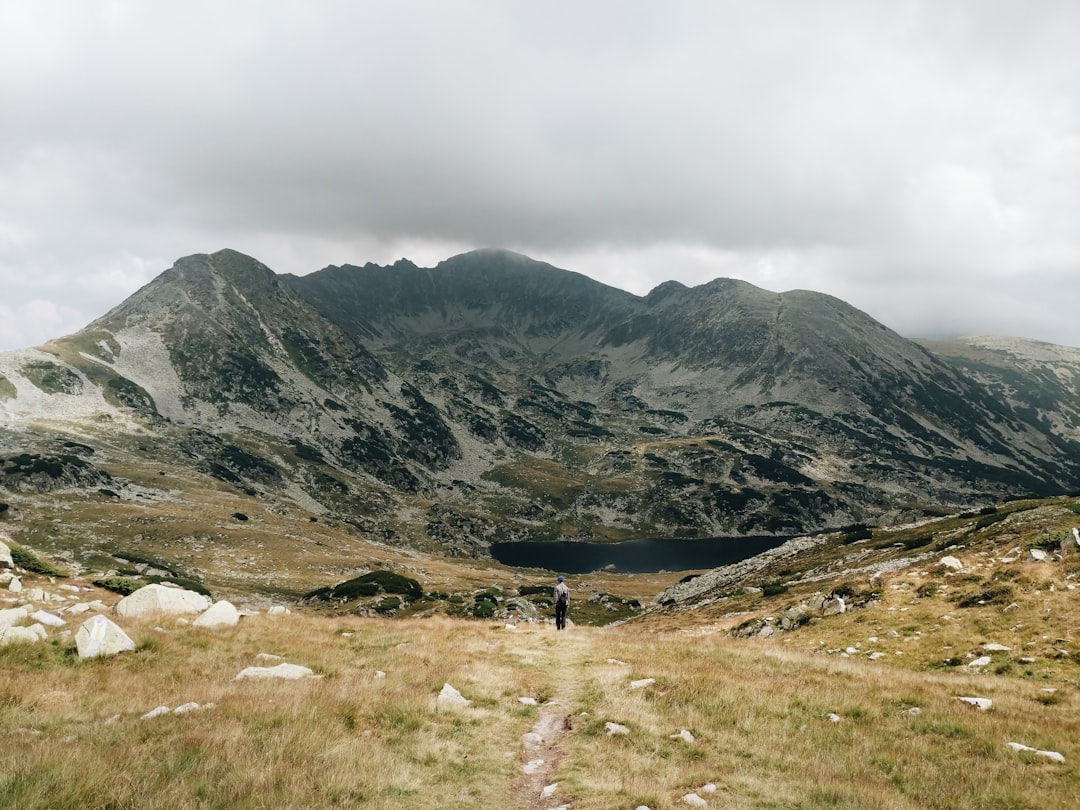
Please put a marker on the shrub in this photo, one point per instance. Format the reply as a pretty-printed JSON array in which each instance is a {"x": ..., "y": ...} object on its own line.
[
  {"x": 994, "y": 595},
  {"x": 368, "y": 584},
  {"x": 1045, "y": 541},
  {"x": 773, "y": 587},
  {"x": 990, "y": 520},
  {"x": 483, "y": 609},
  {"x": 29, "y": 562},
  {"x": 859, "y": 531},
  {"x": 918, "y": 542},
  {"x": 388, "y": 604},
  {"x": 128, "y": 585}
]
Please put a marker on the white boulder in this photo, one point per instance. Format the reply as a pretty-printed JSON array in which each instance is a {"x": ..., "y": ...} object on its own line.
[
  {"x": 616, "y": 728},
  {"x": 22, "y": 635},
  {"x": 290, "y": 672},
  {"x": 220, "y": 614},
  {"x": 451, "y": 698},
  {"x": 1051, "y": 755},
  {"x": 50, "y": 619},
  {"x": 951, "y": 563},
  {"x": 98, "y": 636},
  {"x": 158, "y": 598},
  {"x": 980, "y": 703},
  {"x": 12, "y": 616}
]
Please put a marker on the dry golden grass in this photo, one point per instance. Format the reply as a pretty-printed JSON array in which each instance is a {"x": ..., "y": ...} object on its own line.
[{"x": 72, "y": 734}]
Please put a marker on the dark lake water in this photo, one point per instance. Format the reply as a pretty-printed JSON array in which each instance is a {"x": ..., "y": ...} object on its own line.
[{"x": 633, "y": 556}]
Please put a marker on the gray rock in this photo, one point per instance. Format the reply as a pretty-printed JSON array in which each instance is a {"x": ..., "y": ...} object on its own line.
[
  {"x": 9, "y": 617},
  {"x": 290, "y": 672},
  {"x": 451, "y": 698},
  {"x": 5, "y": 556},
  {"x": 161, "y": 599},
  {"x": 22, "y": 635},
  {"x": 220, "y": 614},
  {"x": 98, "y": 636}
]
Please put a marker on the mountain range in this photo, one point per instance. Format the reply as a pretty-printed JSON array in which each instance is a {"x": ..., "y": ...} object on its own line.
[{"x": 495, "y": 398}]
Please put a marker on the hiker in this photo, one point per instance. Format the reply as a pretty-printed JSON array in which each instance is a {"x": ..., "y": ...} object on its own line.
[{"x": 562, "y": 602}]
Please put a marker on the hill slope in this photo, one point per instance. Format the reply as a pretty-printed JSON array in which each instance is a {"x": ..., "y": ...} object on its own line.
[{"x": 498, "y": 398}]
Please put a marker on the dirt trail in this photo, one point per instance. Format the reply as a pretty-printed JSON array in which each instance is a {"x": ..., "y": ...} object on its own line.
[{"x": 541, "y": 747}]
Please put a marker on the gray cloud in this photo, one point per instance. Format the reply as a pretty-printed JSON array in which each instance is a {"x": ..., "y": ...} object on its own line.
[{"x": 921, "y": 162}]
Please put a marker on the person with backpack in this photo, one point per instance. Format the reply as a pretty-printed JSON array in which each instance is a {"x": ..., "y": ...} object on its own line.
[{"x": 562, "y": 602}]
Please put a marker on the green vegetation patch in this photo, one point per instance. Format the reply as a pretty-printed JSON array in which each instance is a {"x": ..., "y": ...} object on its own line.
[
  {"x": 53, "y": 378},
  {"x": 369, "y": 584},
  {"x": 30, "y": 562},
  {"x": 127, "y": 585}
]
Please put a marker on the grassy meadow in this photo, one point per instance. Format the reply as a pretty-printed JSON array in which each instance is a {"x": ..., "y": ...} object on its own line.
[{"x": 759, "y": 712}]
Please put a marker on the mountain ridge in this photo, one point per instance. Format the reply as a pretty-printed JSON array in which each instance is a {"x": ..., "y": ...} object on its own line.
[{"x": 502, "y": 398}]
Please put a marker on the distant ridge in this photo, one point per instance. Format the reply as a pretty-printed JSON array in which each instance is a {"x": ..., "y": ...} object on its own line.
[{"x": 494, "y": 398}]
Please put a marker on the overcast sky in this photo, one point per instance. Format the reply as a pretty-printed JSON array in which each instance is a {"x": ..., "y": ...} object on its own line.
[{"x": 920, "y": 160}]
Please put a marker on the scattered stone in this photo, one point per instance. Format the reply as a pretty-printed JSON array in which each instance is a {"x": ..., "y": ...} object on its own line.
[
  {"x": 158, "y": 598},
  {"x": 694, "y": 800},
  {"x": 707, "y": 788},
  {"x": 1037, "y": 555},
  {"x": 996, "y": 648},
  {"x": 532, "y": 766},
  {"x": 268, "y": 657},
  {"x": 951, "y": 563},
  {"x": 914, "y": 711},
  {"x": 98, "y": 636},
  {"x": 549, "y": 791},
  {"x": 874, "y": 656},
  {"x": 220, "y": 614},
  {"x": 289, "y": 672},
  {"x": 46, "y": 618},
  {"x": 186, "y": 707},
  {"x": 379, "y": 674},
  {"x": 617, "y": 662},
  {"x": 1051, "y": 755},
  {"x": 981, "y": 661},
  {"x": 15, "y": 586},
  {"x": 6, "y": 560},
  {"x": 451, "y": 698},
  {"x": 528, "y": 701},
  {"x": 616, "y": 728},
  {"x": 683, "y": 735},
  {"x": 22, "y": 635},
  {"x": 158, "y": 712},
  {"x": 642, "y": 683},
  {"x": 834, "y": 606},
  {"x": 12, "y": 616},
  {"x": 980, "y": 703},
  {"x": 278, "y": 610},
  {"x": 833, "y": 717}
]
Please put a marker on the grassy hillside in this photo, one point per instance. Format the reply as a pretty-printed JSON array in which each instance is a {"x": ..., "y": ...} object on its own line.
[{"x": 856, "y": 710}]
